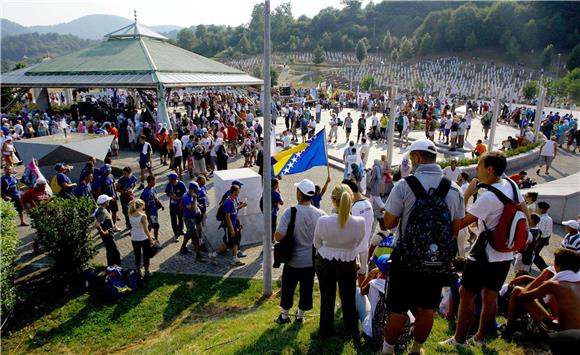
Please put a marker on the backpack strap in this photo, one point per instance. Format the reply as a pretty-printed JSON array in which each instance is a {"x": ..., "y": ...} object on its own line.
[
  {"x": 291, "y": 225},
  {"x": 416, "y": 186},
  {"x": 500, "y": 195},
  {"x": 443, "y": 188}
]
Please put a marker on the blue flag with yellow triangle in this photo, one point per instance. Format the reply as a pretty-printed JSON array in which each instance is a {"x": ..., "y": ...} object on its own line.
[{"x": 302, "y": 157}]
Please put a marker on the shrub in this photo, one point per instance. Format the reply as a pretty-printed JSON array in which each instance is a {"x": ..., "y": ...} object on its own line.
[
  {"x": 9, "y": 243},
  {"x": 64, "y": 227},
  {"x": 508, "y": 153}
]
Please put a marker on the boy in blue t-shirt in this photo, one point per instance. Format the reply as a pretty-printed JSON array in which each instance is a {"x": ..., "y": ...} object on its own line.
[
  {"x": 152, "y": 205},
  {"x": 233, "y": 227},
  {"x": 126, "y": 189},
  {"x": 11, "y": 191},
  {"x": 318, "y": 193}
]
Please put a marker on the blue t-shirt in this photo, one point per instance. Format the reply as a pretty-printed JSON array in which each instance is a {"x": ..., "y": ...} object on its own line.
[
  {"x": 148, "y": 196},
  {"x": 316, "y": 200},
  {"x": 231, "y": 207},
  {"x": 127, "y": 184},
  {"x": 83, "y": 190},
  {"x": 186, "y": 200},
  {"x": 62, "y": 179},
  {"x": 107, "y": 185},
  {"x": 276, "y": 199},
  {"x": 179, "y": 189},
  {"x": 10, "y": 186},
  {"x": 202, "y": 199}
]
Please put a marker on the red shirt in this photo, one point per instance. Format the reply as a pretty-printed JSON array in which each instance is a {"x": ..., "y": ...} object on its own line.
[
  {"x": 516, "y": 178},
  {"x": 232, "y": 133},
  {"x": 114, "y": 131},
  {"x": 33, "y": 198}
]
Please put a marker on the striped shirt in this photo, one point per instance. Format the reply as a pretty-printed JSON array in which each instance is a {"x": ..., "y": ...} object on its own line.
[{"x": 571, "y": 241}]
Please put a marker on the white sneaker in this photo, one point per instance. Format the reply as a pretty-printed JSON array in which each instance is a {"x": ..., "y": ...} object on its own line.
[
  {"x": 451, "y": 341},
  {"x": 474, "y": 342}
]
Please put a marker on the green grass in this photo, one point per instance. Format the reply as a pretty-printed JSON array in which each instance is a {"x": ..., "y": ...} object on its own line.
[{"x": 185, "y": 314}]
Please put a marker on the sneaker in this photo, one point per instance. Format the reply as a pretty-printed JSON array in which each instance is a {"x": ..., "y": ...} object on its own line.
[
  {"x": 184, "y": 251},
  {"x": 241, "y": 254},
  {"x": 538, "y": 172},
  {"x": 282, "y": 320},
  {"x": 299, "y": 318},
  {"x": 176, "y": 239},
  {"x": 474, "y": 342},
  {"x": 451, "y": 341}
]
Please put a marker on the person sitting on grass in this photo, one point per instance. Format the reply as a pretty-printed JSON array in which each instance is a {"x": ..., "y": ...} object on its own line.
[{"x": 561, "y": 309}]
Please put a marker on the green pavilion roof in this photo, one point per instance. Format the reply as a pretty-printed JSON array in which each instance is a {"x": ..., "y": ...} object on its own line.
[{"x": 133, "y": 56}]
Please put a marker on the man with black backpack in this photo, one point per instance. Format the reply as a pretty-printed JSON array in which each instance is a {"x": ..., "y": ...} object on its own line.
[
  {"x": 428, "y": 209},
  {"x": 296, "y": 231},
  {"x": 501, "y": 215}
]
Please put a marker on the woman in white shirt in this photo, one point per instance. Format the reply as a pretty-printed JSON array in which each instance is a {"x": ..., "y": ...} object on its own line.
[
  {"x": 140, "y": 236},
  {"x": 336, "y": 239}
]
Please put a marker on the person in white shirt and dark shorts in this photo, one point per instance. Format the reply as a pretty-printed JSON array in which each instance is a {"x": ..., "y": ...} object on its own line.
[{"x": 486, "y": 268}]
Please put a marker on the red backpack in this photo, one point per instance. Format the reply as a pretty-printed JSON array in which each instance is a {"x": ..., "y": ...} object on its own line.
[{"x": 511, "y": 233}]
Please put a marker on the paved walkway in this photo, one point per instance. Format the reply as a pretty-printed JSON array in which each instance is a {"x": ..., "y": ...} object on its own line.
[
  {"x": 335, "y": 151},
  {"x": 169, "y": 260}
]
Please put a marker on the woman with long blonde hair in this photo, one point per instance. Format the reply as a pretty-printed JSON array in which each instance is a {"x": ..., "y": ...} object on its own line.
[
  {"x": 140, "y": 236},
  {"x": 336, "y": 239}
]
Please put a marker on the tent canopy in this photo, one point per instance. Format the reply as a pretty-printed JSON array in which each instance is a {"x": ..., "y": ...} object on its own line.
[{"x": 131, "y": 57}]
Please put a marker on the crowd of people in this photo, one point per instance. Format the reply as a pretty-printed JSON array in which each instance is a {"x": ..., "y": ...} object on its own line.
[{"x": 424, "y": 251}]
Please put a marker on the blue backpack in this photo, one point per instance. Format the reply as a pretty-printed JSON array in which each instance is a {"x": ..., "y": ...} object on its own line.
[{"x": 427, "y": 246}]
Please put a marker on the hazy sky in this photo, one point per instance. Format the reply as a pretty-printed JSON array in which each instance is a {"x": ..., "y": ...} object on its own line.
[{"x": 149, "y": 12}]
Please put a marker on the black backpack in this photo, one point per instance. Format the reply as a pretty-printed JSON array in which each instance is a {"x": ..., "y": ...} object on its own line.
[
  {"x": 427, "y": 246},
  {"x": 284, "y": 248}
]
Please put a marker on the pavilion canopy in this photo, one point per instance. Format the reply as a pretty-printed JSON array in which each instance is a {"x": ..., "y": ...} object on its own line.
[{"x": 132, "y": 57}]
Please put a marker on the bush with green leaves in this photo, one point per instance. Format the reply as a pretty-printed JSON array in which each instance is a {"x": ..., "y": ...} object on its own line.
[
  {"x": 507, "y": 153},
  {"x": 9, "y": 243},
  {"x": 65, "y": 228}
]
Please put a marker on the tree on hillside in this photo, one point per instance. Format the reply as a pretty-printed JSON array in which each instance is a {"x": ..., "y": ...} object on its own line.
[
  {"x": 244, "y": 45},
  {"x": 325, "y": 41},
  {"x": 361, "y": 51},
  {"x": 547, "y": 55},
  {"x": 406, "y": 48},
  {"x": 367, "y": 83},
  {"x": 426, "y": 45},
  {"x": 574, "y": 58},
  {"x": 318, "y": 55},
  {"x": 186, "y": 39},
  {"x": 20, "y": 65},
  {"x": 512, "y": 48},
  {"x": 471, "y": 41},
  {"x": 395, "y": 55},
  {"x": 530, "y": 90},
  {"x": 388, "y": 43},
  {"x": 306, "y": 44}
]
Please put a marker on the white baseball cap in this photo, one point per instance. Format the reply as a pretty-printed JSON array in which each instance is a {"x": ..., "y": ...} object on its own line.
[
  {"x": 424, "y": 145},
  {"x": 103, "y": 198},
  {"x": 306, "y": 187},
  {"x": 574, "y": 224}
]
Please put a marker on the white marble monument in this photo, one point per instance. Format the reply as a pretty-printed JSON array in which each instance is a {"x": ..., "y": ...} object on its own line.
[{"x": 251, "y": 217}]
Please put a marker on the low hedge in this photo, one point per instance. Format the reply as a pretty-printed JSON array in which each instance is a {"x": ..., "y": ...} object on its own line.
[
  {"x": 65, "y": 228},
  {"x": 507, "y": 153},
  {"x": 9, "y": 243}
]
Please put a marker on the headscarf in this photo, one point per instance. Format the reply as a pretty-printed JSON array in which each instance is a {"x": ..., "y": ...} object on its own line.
[{"x": 405, "y": 167}]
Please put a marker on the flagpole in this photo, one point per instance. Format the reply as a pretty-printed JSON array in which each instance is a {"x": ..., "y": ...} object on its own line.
[
  {"x": 267, "y": 162},
  {"x": 326, "y": 152}
]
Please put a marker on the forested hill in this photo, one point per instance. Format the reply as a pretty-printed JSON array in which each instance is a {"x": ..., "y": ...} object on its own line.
[
  {"x": 35, "y": 46},
  {"x": 404, "y": 27}
]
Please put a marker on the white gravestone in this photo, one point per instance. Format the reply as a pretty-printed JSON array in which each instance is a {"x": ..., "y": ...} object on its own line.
[{"x": 251, "y": 217}]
